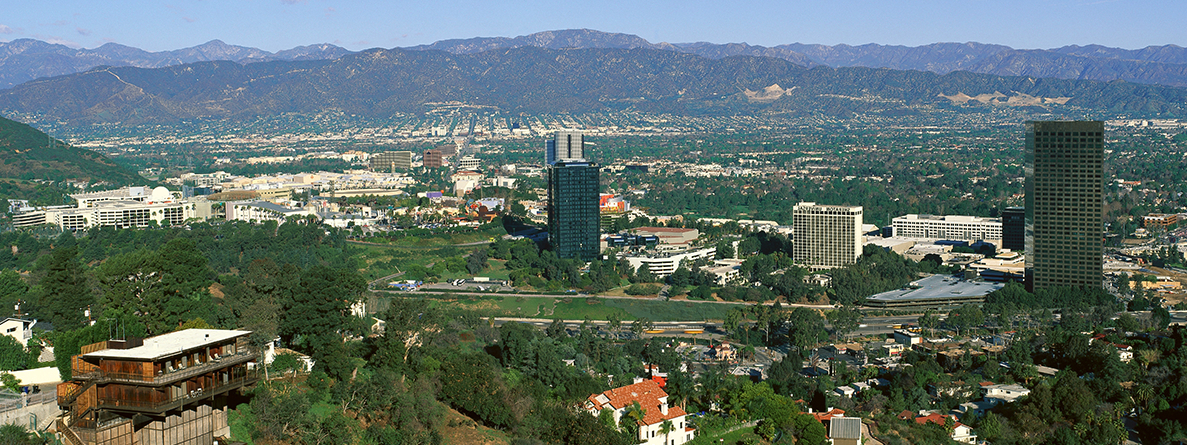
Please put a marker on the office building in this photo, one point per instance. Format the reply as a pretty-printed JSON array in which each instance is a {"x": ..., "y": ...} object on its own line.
[
  {"x": 826, "y": 236},
  {"x": 573, "y": 209},
  {"x": 953, "y": 227},
  {"x": 172, "y": 389},
  {"x": 468, "y": 163},
  {"x": 432, "y": 158},
  {"x": 564, "y": 146},
  {"x": 1014, "y": 229},
  {"x": 1064, "y": 195},
  {"x": 391, "y": 161}
]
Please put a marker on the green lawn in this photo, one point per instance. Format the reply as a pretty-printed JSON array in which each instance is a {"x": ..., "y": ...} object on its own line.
[{"x": 574, "y": 308}]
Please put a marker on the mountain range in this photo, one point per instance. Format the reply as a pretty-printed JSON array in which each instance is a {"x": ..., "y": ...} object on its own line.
[
  {"x": 380, "y": 82},
  {"x": 26, "y": 59},
  {"x": 23, "y": 60}
]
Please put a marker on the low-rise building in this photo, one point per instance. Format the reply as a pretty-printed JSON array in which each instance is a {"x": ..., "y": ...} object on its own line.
[
  {"x": 960, "y": 432},
  {"x": 261, "y": 211},
  {"x": 19, "y": 329},
  {"x": 164, "y": 390},
  {"x": 662, "y": 265},
  {"x": 654, "y": 403},
  {"x": 955, "y": 227}
]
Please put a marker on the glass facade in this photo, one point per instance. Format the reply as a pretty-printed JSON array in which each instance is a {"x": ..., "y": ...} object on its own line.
[
  {"x": 573, "y": 214},
  {"x": 1064, "y": 199}
]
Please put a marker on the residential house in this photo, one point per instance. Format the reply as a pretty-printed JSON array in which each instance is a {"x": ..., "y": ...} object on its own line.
[
  {"x": 19, "y": 329},
  {"x": 960, "y": 432},
  {"x": 654, "y": 403}
]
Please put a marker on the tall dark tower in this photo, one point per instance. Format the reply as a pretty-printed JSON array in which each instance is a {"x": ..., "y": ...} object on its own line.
[
  {"x": 1014, "y": 229},
  {"x": 1064, "y": 196},
  {"x": 573, "y": 209}
]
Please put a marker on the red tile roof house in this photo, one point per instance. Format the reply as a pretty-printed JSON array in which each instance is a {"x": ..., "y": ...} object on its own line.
[
  {"x": 654, "y": 402},
  {"x": 960, "y": 432}
]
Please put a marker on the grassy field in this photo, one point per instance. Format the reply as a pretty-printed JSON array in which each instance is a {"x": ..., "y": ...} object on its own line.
[{"x": 574, "y": 308}]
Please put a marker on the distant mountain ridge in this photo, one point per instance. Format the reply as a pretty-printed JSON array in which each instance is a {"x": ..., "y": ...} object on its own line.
[
  {"x": 26, "y": 59},
  {"x": 23, "y": 60},
  {"x": 381, "y": 82}
]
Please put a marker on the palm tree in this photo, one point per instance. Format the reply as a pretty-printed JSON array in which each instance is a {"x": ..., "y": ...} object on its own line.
[{"x": 666, "y": 428}]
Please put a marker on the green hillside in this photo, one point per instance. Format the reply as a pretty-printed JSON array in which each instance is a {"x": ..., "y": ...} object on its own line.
[{"x": 36, "y": 167}]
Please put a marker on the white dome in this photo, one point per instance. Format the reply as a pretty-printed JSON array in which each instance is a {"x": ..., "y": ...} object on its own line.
[{"x": 161, "y": 194}]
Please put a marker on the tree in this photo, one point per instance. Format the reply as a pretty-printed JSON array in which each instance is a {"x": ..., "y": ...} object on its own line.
[
  {"x": 62, "y": 294},
  {"x": 805, "y": 328},
  {"x": 476, "y": 262},
  {"x": 12, "y": 355},
  {"x": 666, "y": 428},
  {"x": 845, "y": 320}
]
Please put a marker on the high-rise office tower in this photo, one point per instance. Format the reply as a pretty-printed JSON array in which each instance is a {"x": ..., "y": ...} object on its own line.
[
  {"x": 1064, "y": 195},
  {"x": 1014, "y": 229},
  {"x": 564, "y": 146},
  {"x": 826, "y": 236},
  {"x": 573, "y": 209}
]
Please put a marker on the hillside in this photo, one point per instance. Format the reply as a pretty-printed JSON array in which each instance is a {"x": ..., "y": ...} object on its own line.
[
  {"x": 534, "y": 80},
  {"x": 27, "y": 154}
]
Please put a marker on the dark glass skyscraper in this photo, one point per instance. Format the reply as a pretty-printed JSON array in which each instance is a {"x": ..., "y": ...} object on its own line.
[
  {"x": 573, "y": 209},
  {"x": 1064, "y": 196},
  {"x": 1014, "y": 229}
]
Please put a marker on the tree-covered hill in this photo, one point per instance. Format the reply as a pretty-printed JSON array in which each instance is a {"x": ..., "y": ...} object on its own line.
[{"x": 36, "y": 167}]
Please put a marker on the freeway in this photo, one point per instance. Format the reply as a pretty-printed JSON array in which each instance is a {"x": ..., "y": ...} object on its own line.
[
  {"x": 714, "y": 329},
  {"x": 584, "y": 295}
]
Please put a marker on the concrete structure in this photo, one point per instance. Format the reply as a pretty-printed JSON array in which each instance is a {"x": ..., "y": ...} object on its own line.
[
  {"x": 468, "y": 163},
  {"x": 662, "y": 265},
  {"x": 669, "y": 235},
  {"x": 1159, "y": 221},
  {"x": 654, "y": 402},
  {"x": 432, "y": 159},
  {"x": 121, "y": 208},
  {"x": 826, "y": 236},
  {"x": 956, "y": 227},
  {"x": 391, "y": 161},
  {"x": 564, "y": 146},
  {"x": 1064, "y": 198},
  {"x": 573, "y": 209},
  {"x": 169, "y": 389},
  {"x": 1014, "y": 229},
  {"x": 261, "y": 211},
  {"x": 933, "y": 291}
]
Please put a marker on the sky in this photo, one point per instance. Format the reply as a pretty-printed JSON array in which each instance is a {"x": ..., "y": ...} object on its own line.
[{"x": 275, "y": 25}]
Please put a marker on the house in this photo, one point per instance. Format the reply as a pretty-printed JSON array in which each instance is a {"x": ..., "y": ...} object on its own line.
[
  {"x": 1004, "y": 393},
  {"x": 844, "y": 431},
  {"x": 825, "y": 416},
  {"x": 846, "y": 391},
  {"x": 960, "y": 432},
  {"x": 170, "y": 389},
  {"x": 654, "y": 403},
  {"x": 19, "y": 329},
  {"x": 1124, "y": 352}
]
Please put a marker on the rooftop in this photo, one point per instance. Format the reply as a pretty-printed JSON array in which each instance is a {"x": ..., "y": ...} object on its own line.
[
  {"x": 170, "y": 344},
  {"x": 937, "y": 288}
]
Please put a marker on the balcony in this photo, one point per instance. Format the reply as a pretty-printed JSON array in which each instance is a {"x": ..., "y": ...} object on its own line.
[
  {"x": 167, "y": 377},
  {"x": 166, "y": 404}
]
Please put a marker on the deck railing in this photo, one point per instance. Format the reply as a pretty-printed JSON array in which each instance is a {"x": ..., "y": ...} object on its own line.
[
  {"x": 244, "y": 355},
  {"x": 169, "y": 403}
]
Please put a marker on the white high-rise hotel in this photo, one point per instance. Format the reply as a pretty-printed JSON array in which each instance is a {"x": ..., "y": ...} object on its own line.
[{"x": 826, "y": 236}]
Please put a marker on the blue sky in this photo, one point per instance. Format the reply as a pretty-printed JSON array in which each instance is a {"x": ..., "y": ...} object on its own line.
[{"x": 358, "y": 24}]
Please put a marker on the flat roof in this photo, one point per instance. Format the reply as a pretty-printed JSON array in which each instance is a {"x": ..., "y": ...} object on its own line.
[
  {"x": 938, "y": 287},
  {"x": 169, "y": 344}
]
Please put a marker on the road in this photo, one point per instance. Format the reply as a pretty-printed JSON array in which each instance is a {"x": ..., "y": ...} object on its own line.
[
  {"x": 712, "y": 329},
  {"x": 583, "y": 295}
]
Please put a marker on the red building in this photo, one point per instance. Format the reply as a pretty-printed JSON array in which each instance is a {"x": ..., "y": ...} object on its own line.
[{"x": 165, "y": 390}]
